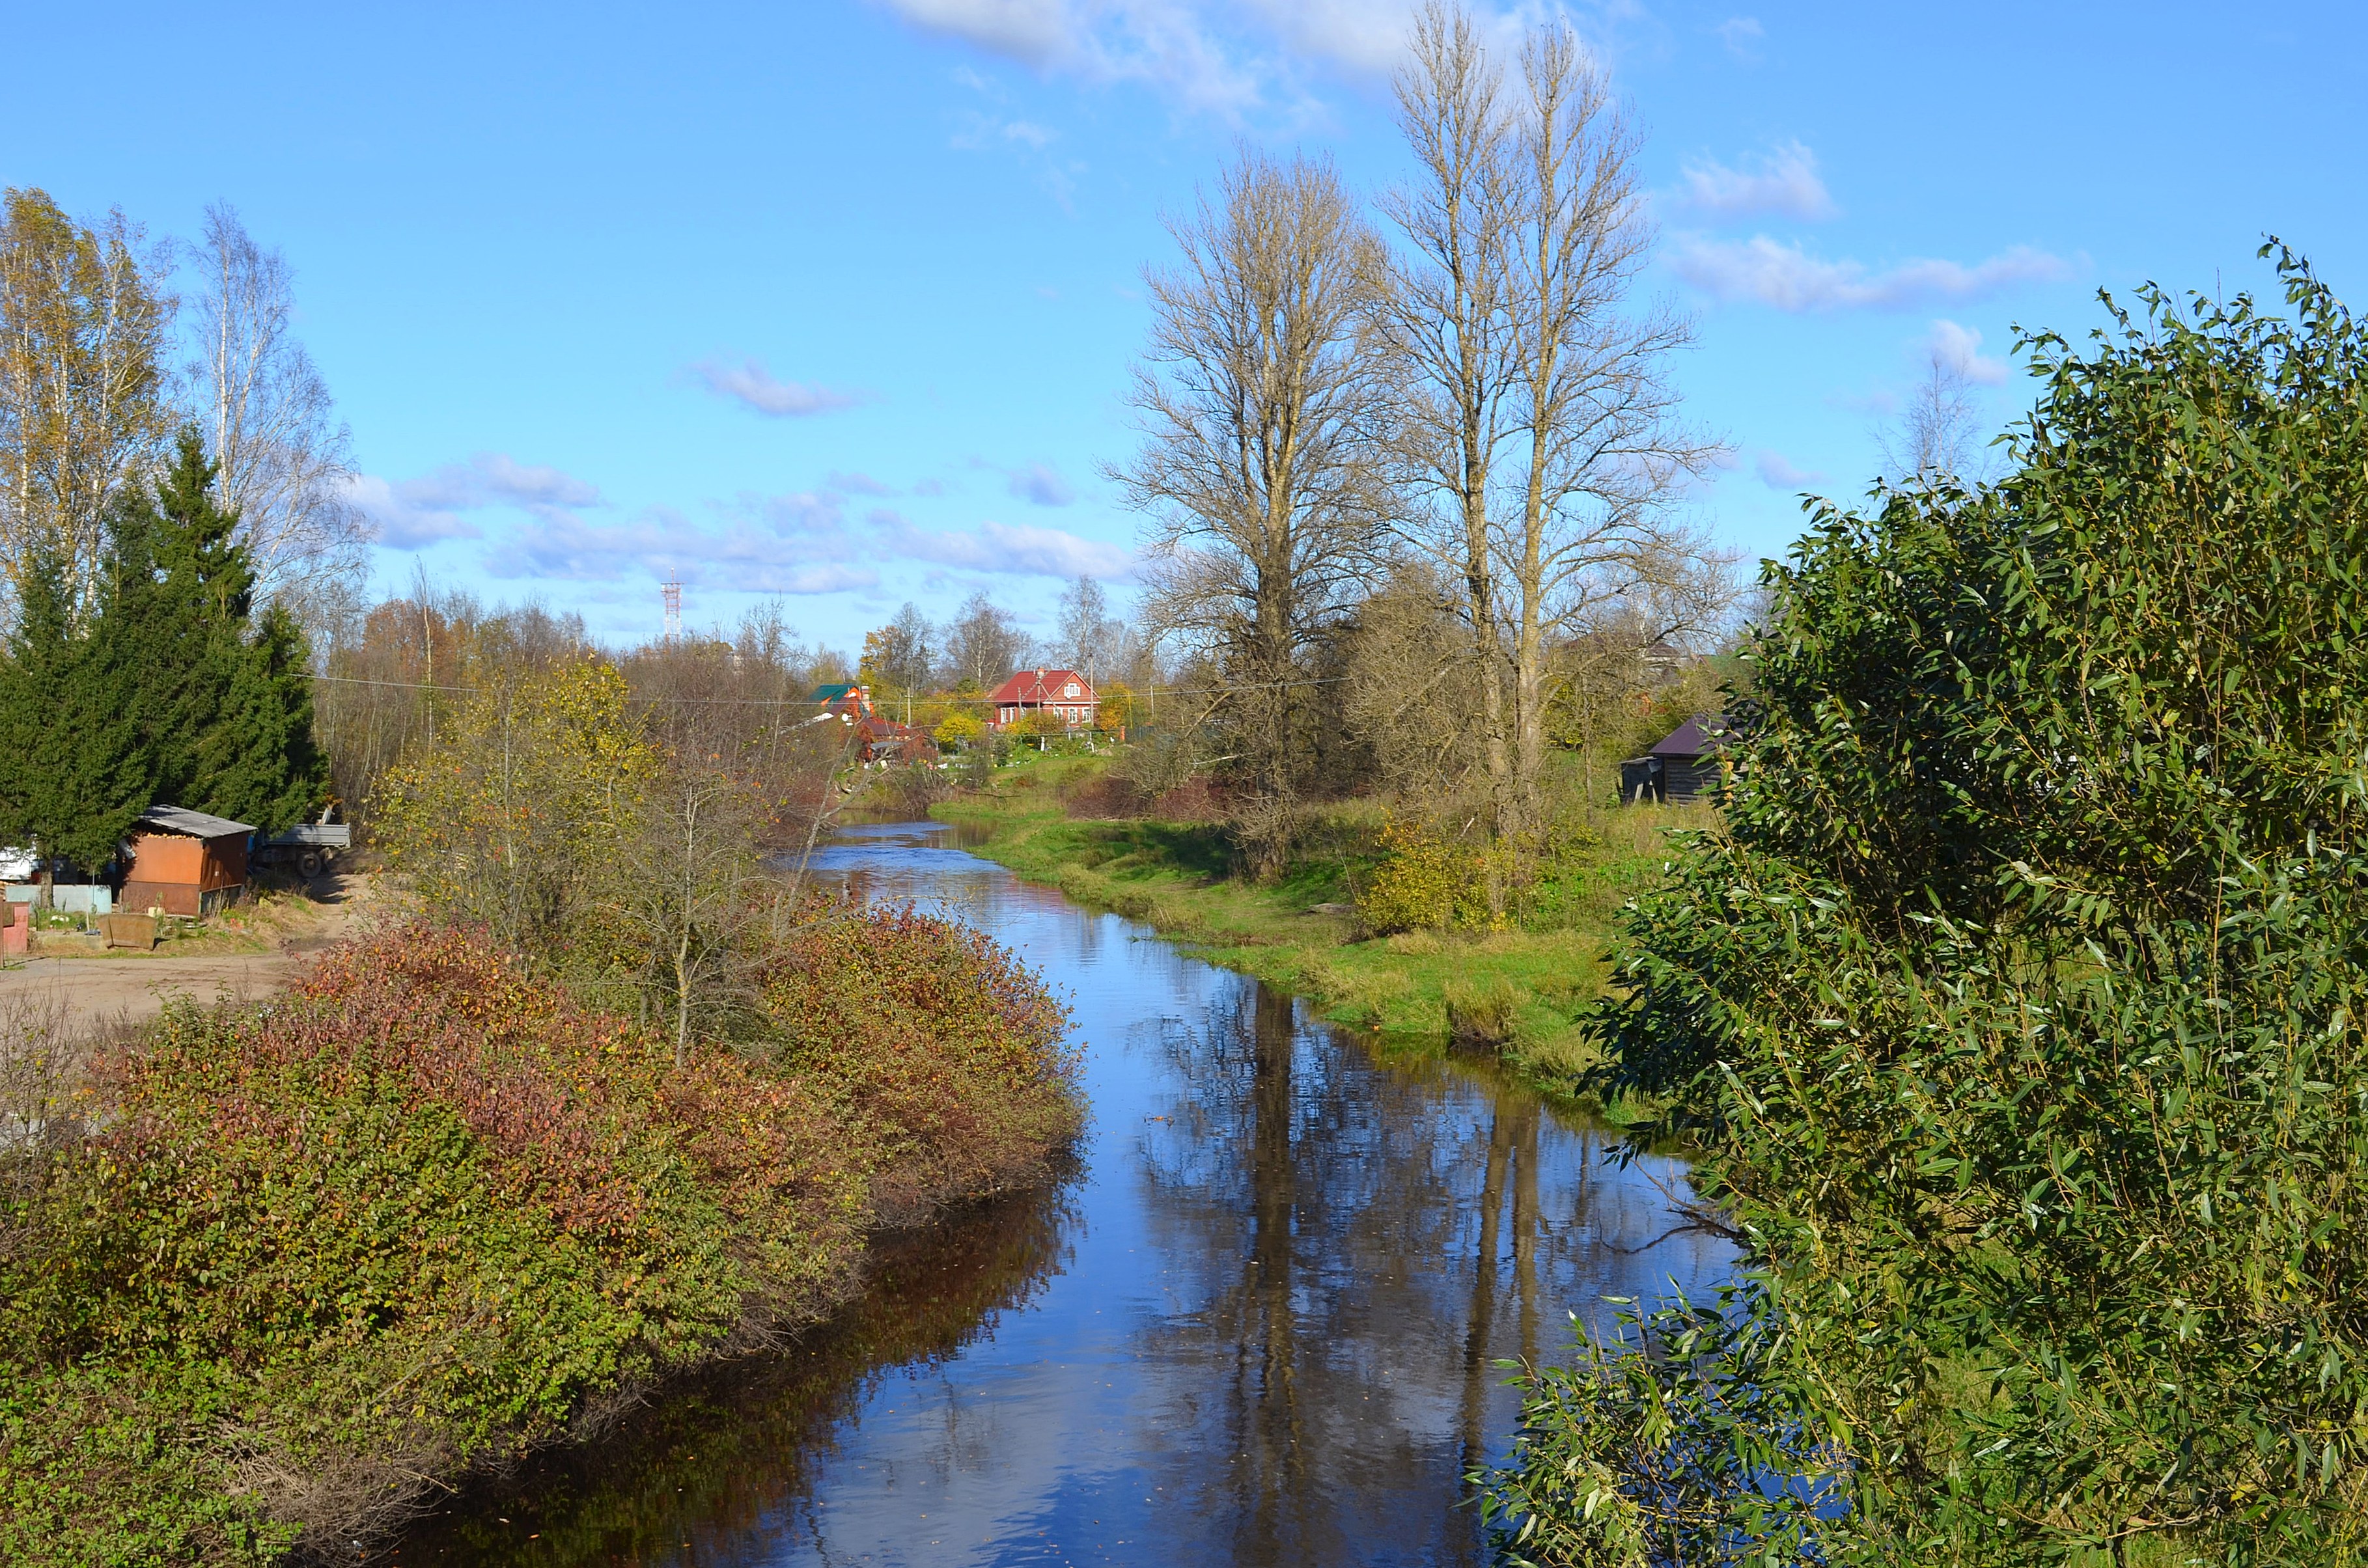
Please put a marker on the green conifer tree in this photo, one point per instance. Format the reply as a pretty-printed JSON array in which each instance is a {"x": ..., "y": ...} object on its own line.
[
  {"x": 77, "y": 774},
  {"x": 224, "y": 703}
]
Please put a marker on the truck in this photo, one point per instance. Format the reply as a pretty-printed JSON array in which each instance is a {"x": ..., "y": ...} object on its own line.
[{"x": 310, "y": 847}]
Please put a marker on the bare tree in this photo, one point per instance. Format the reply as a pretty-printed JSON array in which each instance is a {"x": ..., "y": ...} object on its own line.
[
  {"x": 1091, "y": 640},
  {"x": 1446, "y": 317},
  {"x": 1260, "y": 400},
  {"x": 1411, "y": 698},
  {"x": 690, "y": 888},
  {"x": 83, "y": 409},
  {"x": 42, "y": 1053},
  {"x": 1934, "y": 441},
  {"x": 1543, "y": 426},
  {"x": 284, "y": 459},
  {"x": 906, "y": 652},
  {"x": 981, "y": 645},
  {"x": 1606, "y": 455}
]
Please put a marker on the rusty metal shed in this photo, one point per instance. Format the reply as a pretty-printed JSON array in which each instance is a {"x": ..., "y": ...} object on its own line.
[{"x": 184, "y": 862}]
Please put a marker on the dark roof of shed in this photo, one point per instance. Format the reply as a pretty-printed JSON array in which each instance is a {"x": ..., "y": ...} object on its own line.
[
  {"x": 196, "y": 824},
  {"x": 1692, "y": 738}
]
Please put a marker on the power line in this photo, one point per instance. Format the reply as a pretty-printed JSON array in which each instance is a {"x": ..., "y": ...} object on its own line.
[
  {"x": 480, "y": 691},
  {"x": 777, "y": 701}
]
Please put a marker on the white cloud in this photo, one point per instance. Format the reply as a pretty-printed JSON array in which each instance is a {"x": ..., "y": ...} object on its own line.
[
  {"x": 1223, "y": 56},
  {"x": 1769, "y": 273},
  {"x": 740, "y": 556},
  {"x": 1363, "y": 35},
  {"x": 411, "y": 513},
  {"x": 404, "y": 525},
  {"x": 815, "y": 514},
  {"x": 1020, "y": 548},
  {"x": 1958, "y": 349},
  {"x": 751, "y": 385},
  {"x": 1041, "y": 485},
  {"x": 1741, "y": 35},
  {"x": 1167, "y": 43},
  {"x": 856, "y": 484},
  {"x": 1037, "y": 32},
  {"x": 1778, "y": 474},
  {"x": 1783, "y": 181}
]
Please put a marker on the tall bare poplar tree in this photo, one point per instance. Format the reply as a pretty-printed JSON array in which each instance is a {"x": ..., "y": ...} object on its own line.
[
  {"x": 284, "y": 458},
  {"x": 1604, "y": 455},
  {"x": 1444, "y": 314},
  {"x": 1542, "y": 423},
  {"x": 83, "y": 408},
  {"x": 1259, "y": 399}
]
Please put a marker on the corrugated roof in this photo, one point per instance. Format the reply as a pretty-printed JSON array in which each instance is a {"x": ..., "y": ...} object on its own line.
[
  {"x": 197, "y": 824},
  {"x": 1692, "y": 738}
]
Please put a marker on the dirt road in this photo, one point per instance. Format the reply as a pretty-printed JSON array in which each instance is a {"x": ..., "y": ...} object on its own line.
[{"x": 134, "y": 986}]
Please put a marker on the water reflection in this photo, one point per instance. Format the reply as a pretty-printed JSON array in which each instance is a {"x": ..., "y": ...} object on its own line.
[{"x": 1259, "y": 1328}]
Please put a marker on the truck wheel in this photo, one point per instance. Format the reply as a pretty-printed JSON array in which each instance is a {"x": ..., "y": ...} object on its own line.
[{"x": 308, "y": 864}]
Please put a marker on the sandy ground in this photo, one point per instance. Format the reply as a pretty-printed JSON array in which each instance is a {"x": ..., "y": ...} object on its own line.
[{"x": 287, "y": 927}]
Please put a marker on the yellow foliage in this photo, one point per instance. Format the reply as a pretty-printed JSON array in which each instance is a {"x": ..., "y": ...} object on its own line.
[
  {"x": 527, "y": 791},
  {"x": 1041, "y": 723},
  {"x": 1425, "y": 883},
  {"x": 959, "y": 728}
]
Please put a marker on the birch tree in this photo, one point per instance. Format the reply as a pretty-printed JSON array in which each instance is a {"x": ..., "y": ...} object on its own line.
[
  {"x": 1091, "y": 640},
  {"x": 1935, "y": 441},
  {"x": 285, "y": 459},
  {"x": 1260, "y": 400},
  {"x": 981, "y": 645},
  {"x": 84, "y": 316}
]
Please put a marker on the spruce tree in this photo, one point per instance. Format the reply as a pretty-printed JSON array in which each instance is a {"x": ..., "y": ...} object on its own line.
[
  {"x": 78, "y": 774},
  {"x": 257, "y": 763},
  {"x": 224, "y": 704}
]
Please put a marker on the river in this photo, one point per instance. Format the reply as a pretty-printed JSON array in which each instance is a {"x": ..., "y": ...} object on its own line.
[{"x": 1258, "y": 1324}]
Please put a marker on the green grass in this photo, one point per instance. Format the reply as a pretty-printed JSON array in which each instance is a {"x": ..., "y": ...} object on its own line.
[{"x": 1178, "y": 878}]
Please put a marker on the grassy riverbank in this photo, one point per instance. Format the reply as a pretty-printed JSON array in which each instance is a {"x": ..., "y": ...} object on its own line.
[
  {"x": 1526, "y": 984},
  {"x": 271, "y": 1275}
]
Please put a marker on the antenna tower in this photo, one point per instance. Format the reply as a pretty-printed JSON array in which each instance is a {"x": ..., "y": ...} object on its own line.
[{"x": 671, "y": 591}]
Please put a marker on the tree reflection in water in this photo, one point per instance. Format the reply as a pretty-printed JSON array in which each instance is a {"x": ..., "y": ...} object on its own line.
[{"x": 1369, "y": 1240}]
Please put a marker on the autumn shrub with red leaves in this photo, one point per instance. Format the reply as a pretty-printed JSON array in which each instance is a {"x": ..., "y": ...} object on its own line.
[
  {"x": 934, "y": 1036},
  {"x": 424, "y": 1210}
]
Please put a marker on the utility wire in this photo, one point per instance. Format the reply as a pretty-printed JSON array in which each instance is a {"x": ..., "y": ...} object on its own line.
[{"x": 781, "y": 701}]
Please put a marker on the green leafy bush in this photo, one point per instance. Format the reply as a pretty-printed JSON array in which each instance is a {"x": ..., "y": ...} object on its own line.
[
  {"x": 2017, "y": 1007},
  {"x": 1678, "y": 1442}
]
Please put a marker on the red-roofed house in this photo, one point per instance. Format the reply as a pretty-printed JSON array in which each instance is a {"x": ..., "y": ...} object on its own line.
[
  {"x": 1062, "y": 693},
  {"x": 845, "y": 700}
]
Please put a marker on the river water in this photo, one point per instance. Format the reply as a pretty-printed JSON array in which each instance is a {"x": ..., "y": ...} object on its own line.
[{"x": 1257, "y": 1325}]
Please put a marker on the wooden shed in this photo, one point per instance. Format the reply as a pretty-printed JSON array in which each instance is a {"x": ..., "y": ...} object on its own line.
[
  {"x": 1688, "y": 759},
  {"x": 184, "y": 862},
  {"x": 1683, "y": 765}
]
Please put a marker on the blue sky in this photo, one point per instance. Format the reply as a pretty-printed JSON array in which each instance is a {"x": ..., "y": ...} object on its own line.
[{"x": 835, "y": 300}]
